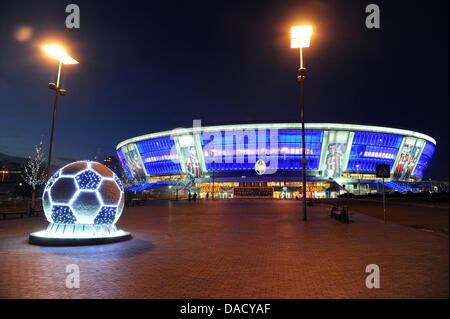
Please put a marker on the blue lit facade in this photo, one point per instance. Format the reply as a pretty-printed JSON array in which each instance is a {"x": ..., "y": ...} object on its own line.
[
  {"x": 157, "y": 158},
  {"x": 424, "y": 159},
  {"x": 124, "y": 163},
  {"x": 333, "y": 152},
  {"x": 369, "y": 149},
  {"x": 288, "y": 156},
  {"x": 290, "y": 144}
]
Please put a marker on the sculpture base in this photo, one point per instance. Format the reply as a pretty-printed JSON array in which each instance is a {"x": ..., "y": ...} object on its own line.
[{"x": 78, "y": 235}]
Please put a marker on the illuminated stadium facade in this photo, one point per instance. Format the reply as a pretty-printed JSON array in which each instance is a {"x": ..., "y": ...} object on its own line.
[{"x": 339, "y": 158}]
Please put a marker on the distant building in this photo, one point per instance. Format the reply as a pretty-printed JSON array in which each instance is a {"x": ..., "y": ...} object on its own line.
[
  {"x": 10, "y": 178},
  {"x": 10, "y": 172},
  {"x": 113, "y": 164}
]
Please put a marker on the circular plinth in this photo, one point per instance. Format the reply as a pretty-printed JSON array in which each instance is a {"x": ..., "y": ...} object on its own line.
[
  {"x": 77, "y": 235},
  {"x": 54, "y": 241}
]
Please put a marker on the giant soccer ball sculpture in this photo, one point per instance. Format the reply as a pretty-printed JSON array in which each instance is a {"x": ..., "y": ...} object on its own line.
[{"x": 82, "y": 201}]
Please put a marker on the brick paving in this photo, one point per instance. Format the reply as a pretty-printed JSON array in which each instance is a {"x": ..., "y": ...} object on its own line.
[
  {"x": 230, "y": 249},
  {"x": 415, "y": 212}
]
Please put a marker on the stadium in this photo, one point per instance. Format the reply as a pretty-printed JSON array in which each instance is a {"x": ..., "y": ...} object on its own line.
[{"x": 265, "y": 160}]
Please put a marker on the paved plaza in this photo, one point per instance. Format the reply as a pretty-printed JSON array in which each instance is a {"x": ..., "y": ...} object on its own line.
[
  {"x": 230, "y": 249},
  {"x": 427, "y": 214}
]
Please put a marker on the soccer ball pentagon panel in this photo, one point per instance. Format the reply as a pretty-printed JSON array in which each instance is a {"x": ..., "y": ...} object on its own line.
[{"x": 83, "y": 192}]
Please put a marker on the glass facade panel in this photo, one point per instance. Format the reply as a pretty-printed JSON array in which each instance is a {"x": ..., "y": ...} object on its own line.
[
  {"x": 124, "y": 163},
  {"x": 233, "y": 151},
  {"x": 371, "y": 148},
  {"x": 290, "y": 143},
  {"x": 424, "y": 160},
  {"x": 157, "y": 158}
]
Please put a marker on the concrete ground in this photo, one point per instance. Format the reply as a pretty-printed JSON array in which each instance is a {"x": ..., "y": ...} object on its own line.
[
  {"x": 230, "y": 249},
  {"x": 424, "y": 214}
]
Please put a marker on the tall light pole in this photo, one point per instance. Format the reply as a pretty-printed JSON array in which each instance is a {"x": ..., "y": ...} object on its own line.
[
  {"x": 300, "y": 38},
  {"x": 214, "y": 168},
  {"x": 284, "y": 171},
  {"x": 57, "y": 52},
  {"x": 359, "y": 179}
]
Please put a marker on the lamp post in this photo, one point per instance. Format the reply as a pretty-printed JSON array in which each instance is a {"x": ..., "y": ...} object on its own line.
[
  {"x": 300, "y": 38},
  {"x": 284, "y": 171},
  {"x": 285, "y": 186},
  {"x": 214, "y": 167},
  {"x": 57, "y": 52},
  {"x": 359, "y": 180}
]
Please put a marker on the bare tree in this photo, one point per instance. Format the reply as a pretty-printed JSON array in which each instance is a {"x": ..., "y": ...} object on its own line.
[{"x": 35, "y": 173}]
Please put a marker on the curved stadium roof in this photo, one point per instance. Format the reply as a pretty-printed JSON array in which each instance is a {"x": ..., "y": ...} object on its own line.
[{"x": 281, "y": 126}]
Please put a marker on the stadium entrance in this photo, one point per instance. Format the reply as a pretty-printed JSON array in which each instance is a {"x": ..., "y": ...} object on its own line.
[{"x": 278, "y": 190}]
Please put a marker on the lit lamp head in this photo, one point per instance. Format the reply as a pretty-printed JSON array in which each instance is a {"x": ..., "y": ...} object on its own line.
[
  {"x": 57, "y": 52},
  {"x": 301, "y": 36}
]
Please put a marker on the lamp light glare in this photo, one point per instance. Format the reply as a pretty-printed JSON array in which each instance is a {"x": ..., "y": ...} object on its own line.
[
  {"x": 54, "y": 51},
  {"x": 301, "y": 36},
  {"x": 68, "y": 60},
  {"x": 300, "y": 43},
  {"x": 57, "y": 52}
]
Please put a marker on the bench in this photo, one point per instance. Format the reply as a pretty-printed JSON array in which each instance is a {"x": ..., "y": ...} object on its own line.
[
  {"x": 18, "y": 212},
  {"x": 340, "y": 213}
]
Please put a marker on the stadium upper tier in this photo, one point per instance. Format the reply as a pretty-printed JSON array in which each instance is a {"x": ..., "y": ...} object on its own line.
[{"x": 332, "y": 151}]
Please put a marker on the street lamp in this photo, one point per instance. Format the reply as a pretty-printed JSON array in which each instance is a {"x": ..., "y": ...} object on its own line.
[
  {"x": 57, "y": 52},
  {"x": 300, "y": 38},
  {"x": 284, "y": 149},
  {"x": 214, "y": 167},
  {"x": 359, "y": 179}
]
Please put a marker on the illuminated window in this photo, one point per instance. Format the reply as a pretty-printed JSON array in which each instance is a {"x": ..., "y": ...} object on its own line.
[
  {"x": 124, "y": 163},
  {"x": 371, "y": 148},
  {"x": 231, "y": 155},
  {"x": 424, "y": 159},
  {"x": 157, "y": 158}
]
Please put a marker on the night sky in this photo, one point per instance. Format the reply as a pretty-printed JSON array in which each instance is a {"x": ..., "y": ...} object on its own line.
[{"x": 150, "y": 66}]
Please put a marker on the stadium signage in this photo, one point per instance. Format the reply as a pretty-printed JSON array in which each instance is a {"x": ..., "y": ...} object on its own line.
[
  {"x": 253, "y": 192},
  {"x": 260, "y": 167}
]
